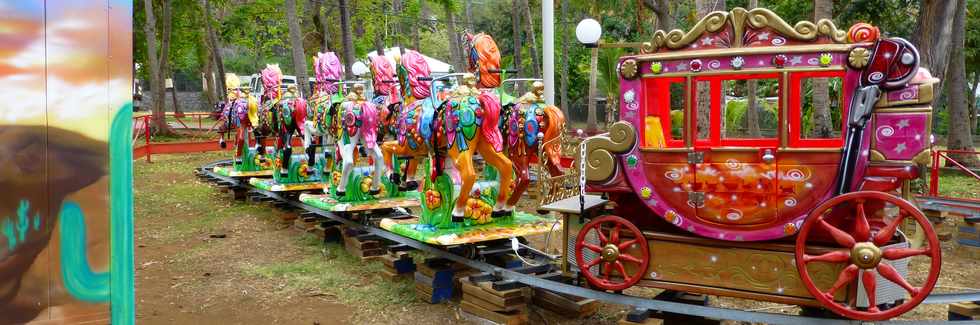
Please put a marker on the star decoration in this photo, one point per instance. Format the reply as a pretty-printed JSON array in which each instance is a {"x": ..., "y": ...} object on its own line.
[
  {"x": 764, "y": 36},
  {"x": 900, "y": 147},
  {"x": 796, "y": 60},
  {"x": 903, "y": 123},
  {"x": 681, "y": 66},
  {"x": 707, "y": 41}
]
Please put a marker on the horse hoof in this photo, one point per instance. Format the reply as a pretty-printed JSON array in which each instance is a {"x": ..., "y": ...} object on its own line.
[
  {"x": 501, "y": 214},
  {"x": 458, "y": 218},
  {"x": 341, "y": 194},
  {"x": 408, "y": 186},
  {"x": 394, "y": 178},
  {"x": 375, "y": 192}
]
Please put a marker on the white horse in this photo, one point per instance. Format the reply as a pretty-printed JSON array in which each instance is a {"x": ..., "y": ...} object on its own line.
[{"x": 359, "y": 126}]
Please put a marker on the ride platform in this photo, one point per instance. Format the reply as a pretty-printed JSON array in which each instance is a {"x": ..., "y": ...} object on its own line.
[
  {"x": 271, "y": 185},
  {"x": 330, "y": 203},
  {"x": 521, "y": 224},
  {"x": 231, "y": 172}
]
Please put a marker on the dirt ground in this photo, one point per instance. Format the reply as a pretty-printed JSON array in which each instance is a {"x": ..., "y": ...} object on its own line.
[{"x": 204, "y": 258}]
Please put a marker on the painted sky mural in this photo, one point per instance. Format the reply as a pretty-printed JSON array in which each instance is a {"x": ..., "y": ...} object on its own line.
[{"x": 65, "y": 161}]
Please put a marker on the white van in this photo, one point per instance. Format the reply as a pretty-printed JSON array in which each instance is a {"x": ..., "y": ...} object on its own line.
[{"x": 255, "y": 84}]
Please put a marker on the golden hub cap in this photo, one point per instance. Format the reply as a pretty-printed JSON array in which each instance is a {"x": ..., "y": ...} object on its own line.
[
  {"x": 865, "y": 255},
  {"x": 610, "y": 253}
]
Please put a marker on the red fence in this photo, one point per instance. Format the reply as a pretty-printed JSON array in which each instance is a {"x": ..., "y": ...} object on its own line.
[
  {"x": 944, "y": 154},
  {"x": 143, "y": 135}
]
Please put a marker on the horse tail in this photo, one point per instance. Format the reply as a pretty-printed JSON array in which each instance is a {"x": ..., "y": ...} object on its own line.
[
  {"x": 556, "y": 123},
  {"x": 491, "y": 115}
]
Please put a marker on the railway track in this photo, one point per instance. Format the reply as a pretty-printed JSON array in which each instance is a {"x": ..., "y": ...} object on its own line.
[{"x": 551, "y": 284}]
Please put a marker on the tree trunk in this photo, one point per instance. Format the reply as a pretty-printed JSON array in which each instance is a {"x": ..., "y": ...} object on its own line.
[
  {"x": 416, "y": 35},
  {"x": 379, "y": 42},
  {"x": 661, "y": 8},
  {"x": 209, "y": 85},
  {"x": 398, "y": 25},
  {"x": 563, "y": 91},
  {"x": 593, "y": 64},
  {"x": 296, "y": 42},
  {"x": 933, "y": 36},
  {"x": 704, "y": 7},
  {"x": 960, "y": 137},
  {"x": 156, "y": 79},
  {"x": 532, "y": 42},
  {"x": 752, "y": 107},
  {"x": 516, "y": 29},
  {"x": 345, "y": 35},
  {"x": 972, "y": 102},
  {"x": 173, "y": 93},
  {"x": 468, "y": 4},
  {"x": 215, "y": 50},
  {"x": 822, "y": 9},
  {"x": 454, "y": 48}
]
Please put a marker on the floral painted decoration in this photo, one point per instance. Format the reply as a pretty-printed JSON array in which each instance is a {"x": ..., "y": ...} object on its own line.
[
  {"x": 738, "y": 62},
  {"x": 657, "y": 67},
  {"x": 433, "y": 199},
  {"x": 825, "y": 59}
]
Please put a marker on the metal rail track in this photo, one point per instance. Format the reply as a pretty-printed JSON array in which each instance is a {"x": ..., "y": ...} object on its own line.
[{"x": 557, "y": 286}]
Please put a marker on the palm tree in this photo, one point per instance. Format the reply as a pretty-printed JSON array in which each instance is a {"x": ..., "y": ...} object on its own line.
[
  {"x": 455, "y": 50},
  {"x": 752, "y": 110},
  {"x": 704, "y": 7},
  {"x": 296, "y": 41}
]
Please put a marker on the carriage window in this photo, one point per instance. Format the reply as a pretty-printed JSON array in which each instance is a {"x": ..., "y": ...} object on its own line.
[
  {"x": 749, "y": 109},
  {"x": 703, "y": 109},
  {"x": 821, "y": 106},
  {"x": 677, "y": 91}
]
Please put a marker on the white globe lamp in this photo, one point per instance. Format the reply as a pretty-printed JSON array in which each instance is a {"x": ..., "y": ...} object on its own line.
[{"x": 588, "y": 32}]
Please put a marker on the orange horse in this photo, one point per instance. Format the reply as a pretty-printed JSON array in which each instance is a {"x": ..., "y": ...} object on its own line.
[{"x": 403, "y": 121}]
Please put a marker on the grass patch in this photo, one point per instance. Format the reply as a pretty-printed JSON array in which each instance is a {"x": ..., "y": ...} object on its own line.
[
  {"x": 330, "y": 269},
  {"x": 958, "y": 185},
  {"x": 168, "y": 187}
]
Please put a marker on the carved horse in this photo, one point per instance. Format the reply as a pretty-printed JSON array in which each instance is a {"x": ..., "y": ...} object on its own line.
[
  {"x": 239, "y": 112},
  {"x": 359, "y": 126},
  {"x": 320, "y": 121},
  {"x": 468, "y": 123},
  {"x": 405, "y": 119},
  {"x": 288, "y": 118},
  {"x": 529, "y": 125}
]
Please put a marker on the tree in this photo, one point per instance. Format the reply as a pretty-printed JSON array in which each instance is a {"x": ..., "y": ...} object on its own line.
[
  {"x": 516, "y": 30},
  {"x": 960, "y": 137},
  {"x": 532, "y": 42},
  {"x": 155, "y": 65},
  {"x": 299, "y": 55},
  {"x": 345, "y": 35},
  {"x": 704, "y": 7},
  {"x": 933, "y": 35},
  {"x": 752, "y": 109},
  {"x": 563, "y": 89},
  {"x": 215, "y": 49},
  {"x": 822, "y": 9},
  {"x": 455, "y": 50},
  {"x": 661, "y": 8}
]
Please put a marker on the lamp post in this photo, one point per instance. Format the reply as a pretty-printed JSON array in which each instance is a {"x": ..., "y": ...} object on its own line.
[{"x": 588, "y": 33}]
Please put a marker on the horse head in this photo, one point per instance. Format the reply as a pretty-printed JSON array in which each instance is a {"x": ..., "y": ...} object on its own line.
[
  {"x": 484, "y": 60},
  {"x": 384, "y": 76},
  {"x": 328, "y": 70},
  {"x": 271, "y": 80},
  {"x": 414, "y": 66}
]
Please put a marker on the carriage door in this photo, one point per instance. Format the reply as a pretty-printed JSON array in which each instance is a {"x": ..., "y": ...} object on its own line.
[{"x": 735, "y": 131}]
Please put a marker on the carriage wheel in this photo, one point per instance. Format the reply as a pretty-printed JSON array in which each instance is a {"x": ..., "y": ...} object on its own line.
[
  {"x": 612, "y": 257},
  {"x": 863, "y": 252}
]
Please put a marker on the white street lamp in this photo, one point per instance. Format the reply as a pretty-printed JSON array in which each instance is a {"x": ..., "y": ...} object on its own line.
[
  {"x": 359, "y": 68},
  {"x": 588, "y": 32}
]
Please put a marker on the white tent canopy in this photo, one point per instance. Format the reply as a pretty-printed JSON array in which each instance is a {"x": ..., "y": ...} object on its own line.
[{"x": 437, "y": 67}]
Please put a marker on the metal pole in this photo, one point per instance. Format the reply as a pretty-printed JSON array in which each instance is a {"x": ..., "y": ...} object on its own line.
[{"x": 548, "y": 29}]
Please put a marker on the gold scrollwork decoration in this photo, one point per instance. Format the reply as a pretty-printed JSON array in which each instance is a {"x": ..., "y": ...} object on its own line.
[
  {"x": 600, "y": 151},
  {"x": 740, "y": 19}
]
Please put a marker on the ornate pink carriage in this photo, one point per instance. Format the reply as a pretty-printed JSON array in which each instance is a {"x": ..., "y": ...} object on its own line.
[{"x": 775, "y": 158}]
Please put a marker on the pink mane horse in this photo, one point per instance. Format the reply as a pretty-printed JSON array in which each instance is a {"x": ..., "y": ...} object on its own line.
[
  {"x": 271, "y": 81},
  {"x": 328, "y": 70}
]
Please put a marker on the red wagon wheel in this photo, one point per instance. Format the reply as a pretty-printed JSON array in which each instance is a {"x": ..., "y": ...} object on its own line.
[
  {"x": 863, "y": 251},
  {"x": 612, "y": 255}
]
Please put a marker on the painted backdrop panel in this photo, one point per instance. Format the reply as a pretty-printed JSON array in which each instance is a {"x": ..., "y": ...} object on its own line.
[{"x": 65, "y": 161}]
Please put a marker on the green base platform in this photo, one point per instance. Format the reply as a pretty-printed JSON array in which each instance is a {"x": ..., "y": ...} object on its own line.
[
  {"x": 522, "y": 224},
  {"x": 269, "y": 184},
  {"x": 329, "y": 203},
  {"x": 231, "y": 172}
]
